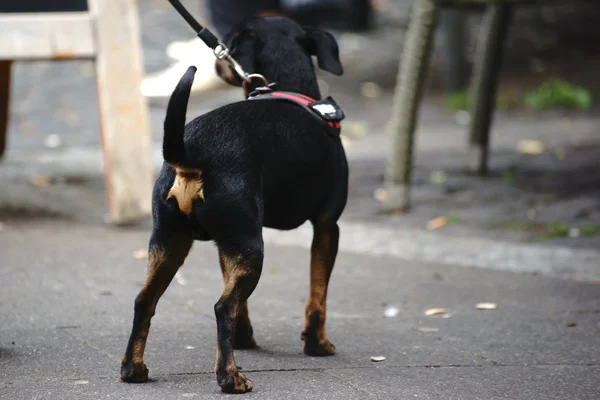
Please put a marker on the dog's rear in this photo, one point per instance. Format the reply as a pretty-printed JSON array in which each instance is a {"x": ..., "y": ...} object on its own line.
[{"x": 237, "y": 169}]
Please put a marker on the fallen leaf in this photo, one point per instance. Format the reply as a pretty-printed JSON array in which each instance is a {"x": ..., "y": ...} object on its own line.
[
  {"x": 180, "y": 279},
  {"x": 391, "y": 311},
  {"x": 190, "y": 305},
  {"x": 378, "y": 358},
  {"x": 424, "y": 329},
  {"x": 370, "y": 90},
  {"x": 528, "y": 146},
  {"x": 486, "y": 306},
  {"x": 140, "y": 254},
  {"x": 438, "y": 177},
  {"x": 437, "y": 223},
  {"x": 40, "y": 180},
  {"x": 435, "y": 311},
  {"x": 381, "y": 195}
]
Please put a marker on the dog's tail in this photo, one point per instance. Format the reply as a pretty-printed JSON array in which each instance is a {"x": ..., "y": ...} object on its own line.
[{"x": 173, "y": 147}]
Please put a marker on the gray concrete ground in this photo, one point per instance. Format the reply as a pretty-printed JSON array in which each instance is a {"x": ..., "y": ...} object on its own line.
[
  {"x": 68, "y": 281},
  {"x": 67, "y": 302}
]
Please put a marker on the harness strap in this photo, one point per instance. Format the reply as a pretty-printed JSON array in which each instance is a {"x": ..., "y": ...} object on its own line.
[{"x": 305, "y": 102}]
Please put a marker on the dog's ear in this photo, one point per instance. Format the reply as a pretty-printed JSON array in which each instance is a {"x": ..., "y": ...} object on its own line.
[{"x": 324, "y": 46}]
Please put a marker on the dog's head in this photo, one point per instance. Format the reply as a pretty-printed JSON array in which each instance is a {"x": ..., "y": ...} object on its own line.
[{"x": 281, "y": 51}]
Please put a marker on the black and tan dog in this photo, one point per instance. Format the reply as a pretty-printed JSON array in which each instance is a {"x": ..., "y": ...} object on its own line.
[{"x": 231, "y": 172}]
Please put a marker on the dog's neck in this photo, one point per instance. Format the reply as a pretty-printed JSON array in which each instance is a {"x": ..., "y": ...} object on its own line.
[
  {"x": 285, "y": 83},
  {"x": 291, "y": 73}
]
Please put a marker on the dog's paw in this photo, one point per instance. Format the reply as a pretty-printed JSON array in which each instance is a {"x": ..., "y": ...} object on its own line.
[
  {"x": 315, "y": 348},
  {"x": 234, "y": 383},
  {"x": 134, "y": 373}
]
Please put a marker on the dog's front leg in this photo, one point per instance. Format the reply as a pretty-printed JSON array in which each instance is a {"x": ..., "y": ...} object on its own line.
[
  {"x": 242, "y": 270},
  {"x": 167, "y": 253},
  {"x": 323, "y": 253}
]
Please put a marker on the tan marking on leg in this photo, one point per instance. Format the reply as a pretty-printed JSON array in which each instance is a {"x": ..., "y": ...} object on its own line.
[
  {"x": 243, "y": 335},
  {"x": 162, "y": 266},
  {"x": 187, "y": 187},
  {"x": 323, "y": 254},
  {"x": 157, "y": 257},
  {"x": 139, "y": 347},
  {"x": 239, "y": 284}
]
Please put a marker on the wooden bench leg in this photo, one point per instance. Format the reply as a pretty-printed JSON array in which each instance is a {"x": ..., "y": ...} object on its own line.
[
  {"x": 126, "y": 135},
  {"x": 5, "y": 67},
  {"x": 407, "y": 97},
  {"x": 485, "y": 82}
]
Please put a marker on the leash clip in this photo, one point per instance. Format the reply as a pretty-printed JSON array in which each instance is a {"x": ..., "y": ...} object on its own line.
[
  {"x": 222, "y": 53},
  {"x": 219, "y": 49},
  {"x": 251, "y": 77}
]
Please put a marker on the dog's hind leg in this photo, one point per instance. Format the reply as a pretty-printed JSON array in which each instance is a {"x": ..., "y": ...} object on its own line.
[
  {"x": 243, "y": 336},
  {"x": 167, "y": 251},
  {"x": 242, "y": 269},
  {"x": 323, "y": 253}
]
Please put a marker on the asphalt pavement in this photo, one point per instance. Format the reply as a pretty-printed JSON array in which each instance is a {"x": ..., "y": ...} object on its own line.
[{"x": 67, "y": 300}]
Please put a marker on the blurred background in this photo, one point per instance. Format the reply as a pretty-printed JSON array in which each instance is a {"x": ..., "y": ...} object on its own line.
[
  {"x": 544, "y": 160},
  {"x": 494, "y": 279}
]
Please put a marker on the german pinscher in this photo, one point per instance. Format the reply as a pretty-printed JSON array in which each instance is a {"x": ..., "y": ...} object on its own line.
[{"x": 239, "y": 168}]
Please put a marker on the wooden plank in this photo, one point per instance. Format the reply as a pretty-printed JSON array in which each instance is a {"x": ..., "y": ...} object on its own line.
[
  {"x": 126, "y": 137},
  {"x": 5, "y": 67},
  {"x": 30, "y": 36}
]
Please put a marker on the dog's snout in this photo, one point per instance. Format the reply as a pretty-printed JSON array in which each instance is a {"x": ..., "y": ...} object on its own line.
[{"x": 226, "y": 72}]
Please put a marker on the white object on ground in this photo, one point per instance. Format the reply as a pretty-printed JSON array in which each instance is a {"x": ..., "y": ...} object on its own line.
[
  {"x": 486, "y": 306},
  {"x": 391, "y": 311}
]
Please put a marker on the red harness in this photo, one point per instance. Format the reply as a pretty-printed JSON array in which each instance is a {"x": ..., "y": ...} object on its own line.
[{"x": 305, "y": 102}]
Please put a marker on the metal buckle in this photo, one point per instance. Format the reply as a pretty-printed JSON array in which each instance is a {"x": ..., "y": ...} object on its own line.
[
  {"x": 250, "y": 78},
  {"x": 221, "y": 51}
]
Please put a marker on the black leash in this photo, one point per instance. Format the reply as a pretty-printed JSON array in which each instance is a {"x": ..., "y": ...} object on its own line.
[
  {"x": 219, "y": 49},
  {"x": 326, "y": 110}
]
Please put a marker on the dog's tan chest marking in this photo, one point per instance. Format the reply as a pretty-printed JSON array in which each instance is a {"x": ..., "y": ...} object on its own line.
[{"x": 187, "y": 187}]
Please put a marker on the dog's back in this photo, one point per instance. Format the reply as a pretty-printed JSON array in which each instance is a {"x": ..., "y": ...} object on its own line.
[{"x": 273, "y": 149}]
